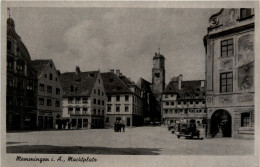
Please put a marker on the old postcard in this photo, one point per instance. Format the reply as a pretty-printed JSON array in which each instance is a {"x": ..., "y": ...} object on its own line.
[{"x": 130, "y": 83}]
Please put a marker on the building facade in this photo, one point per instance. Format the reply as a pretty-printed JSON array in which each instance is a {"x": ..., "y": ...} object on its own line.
[
  {"x": 21, "y": 88},
  {"x": 183, "y": 101},
  {"x": 49, "y": 107},
  {"x": 151, "y": 107},
  {"x": 230, "y": 85},
  {"x": 123, "y": 100},
  {"x": 84, "y": 99}
]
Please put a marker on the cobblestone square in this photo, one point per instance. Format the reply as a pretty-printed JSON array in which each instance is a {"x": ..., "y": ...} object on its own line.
[{"x": 147, "y": 140}]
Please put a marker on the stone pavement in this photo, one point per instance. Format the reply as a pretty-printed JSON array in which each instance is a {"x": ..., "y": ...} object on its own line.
[{"x": 135, "y": 141}]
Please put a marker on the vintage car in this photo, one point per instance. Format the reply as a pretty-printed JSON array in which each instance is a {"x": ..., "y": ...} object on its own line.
[{"x": 187, "y": 130}]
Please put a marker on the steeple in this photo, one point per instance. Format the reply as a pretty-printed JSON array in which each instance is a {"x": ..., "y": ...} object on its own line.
[{"x": 9, "y": 12}]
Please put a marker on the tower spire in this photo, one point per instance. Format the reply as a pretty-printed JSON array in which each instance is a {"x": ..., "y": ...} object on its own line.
[{"x": 8, "y": 12}]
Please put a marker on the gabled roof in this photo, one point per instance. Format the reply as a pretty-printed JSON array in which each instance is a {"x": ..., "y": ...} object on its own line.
[
  {"x": 189, "y": 89},
  {"x": 113, "y": 84},
  {"x": 144, "y": 85},
  {"x": 39, "y": 65},
  {"x": 83, "y": 82}
]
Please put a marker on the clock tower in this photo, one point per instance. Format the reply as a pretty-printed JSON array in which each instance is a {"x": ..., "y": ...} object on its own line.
[{"x": 158, "y": 72}]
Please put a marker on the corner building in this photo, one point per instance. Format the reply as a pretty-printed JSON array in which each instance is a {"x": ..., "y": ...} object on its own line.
[
  {"x": 230, "y": 85},
  {"x": 21, "y": 85}
]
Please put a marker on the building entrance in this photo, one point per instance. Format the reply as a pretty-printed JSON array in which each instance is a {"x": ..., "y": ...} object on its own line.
[{"x": 221, "y": 124}]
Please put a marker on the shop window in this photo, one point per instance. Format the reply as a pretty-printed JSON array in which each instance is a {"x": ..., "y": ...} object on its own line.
[
  {"x": 245, "y": 119},
  {"x": 226, "y": 82},
  {"x": 227, "y": 48}
]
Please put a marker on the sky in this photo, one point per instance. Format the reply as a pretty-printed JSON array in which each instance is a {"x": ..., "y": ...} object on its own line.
[{"x": 117, "y": 38}]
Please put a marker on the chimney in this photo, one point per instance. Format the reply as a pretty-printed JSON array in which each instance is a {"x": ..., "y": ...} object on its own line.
[
  {"x": 77, "y": 70},
  {"x": 112, "y": 70},
  {"x": 180, "y": 79},
  {"x": 118, "y": 73},
  {"x": 202, "y": 84}
]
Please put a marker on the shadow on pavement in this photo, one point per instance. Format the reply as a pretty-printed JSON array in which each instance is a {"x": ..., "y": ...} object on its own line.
[{"x": 47, "y": 149}]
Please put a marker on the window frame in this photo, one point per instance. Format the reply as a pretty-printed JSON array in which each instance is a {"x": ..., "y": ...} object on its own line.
[
  {"x": 226, "y": 46},
  {"x": 226, "y": 83}
]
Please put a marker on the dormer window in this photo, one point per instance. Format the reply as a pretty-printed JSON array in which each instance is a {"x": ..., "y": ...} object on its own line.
[{"x": 73, "y": 88}]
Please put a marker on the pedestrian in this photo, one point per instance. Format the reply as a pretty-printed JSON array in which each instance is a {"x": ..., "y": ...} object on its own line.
[
  {"x": 123, "y": 125},
  {"x": 69, "y": 125}
]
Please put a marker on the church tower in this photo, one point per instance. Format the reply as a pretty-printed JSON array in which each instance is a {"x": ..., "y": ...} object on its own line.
[{"x": 158, "y": 72}]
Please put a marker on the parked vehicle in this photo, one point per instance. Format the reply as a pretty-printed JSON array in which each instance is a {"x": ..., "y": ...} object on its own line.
[{"x": 187, "y": 130}]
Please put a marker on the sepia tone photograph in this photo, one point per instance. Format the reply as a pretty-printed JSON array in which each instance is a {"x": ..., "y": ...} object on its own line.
[{"x": 129, "y": 81}]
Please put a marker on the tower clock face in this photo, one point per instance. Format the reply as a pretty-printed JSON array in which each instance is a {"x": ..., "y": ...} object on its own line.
[{"x": 157, "y": 74}]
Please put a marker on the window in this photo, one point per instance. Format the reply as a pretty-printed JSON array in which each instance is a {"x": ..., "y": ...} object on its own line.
[
  {"x": 20, "y": 65},
  {"x": 172, "y": 103},
  {"x": 45, "y": 75},
  {"x": 85, "y": 100},
  {"x": 70, "y": 100},
  {"x": 77, "y": 101},
  {"x": 166, "y": 111},
  {"x": 126, "y": 109},
  {"x": 94, "y": 101},
  {"x": 30, "y": 85},
  {"x": 9, "y": 100},
  {"x": 99, "y": 81},
  {"x": 19, "y": 101},
  {"x": 41, "y": 101},
  {"x": 191, "y": 102},
  {"x": 117, "y": 108},
  {"x": 48, "y": 102},
  {"x": 126, "y": 98},
  {"x": 245, "y": 13},
  {"x": 203, "y": 102},
  {"x": 73, "y": 88},
  {"x": 102, "y": 93},
  {"x": 107, "y": 119},
  {"x": 10, "y": 82},
  {"x": 167, "y": 103},
  {"x": 166, "y": 96},
  {"x": 57, "y": 104},
  {"x": 117, "y": 98},
  {"x": 197, "y": 102},
  {"x": 108, "y": 108},
  {"x": 20, "y": 84},
  {"x": 226, "y": 82},
  {"x": 184, "y": 102},
  {"x": 98, "y": 111},
  {"x": 9, "y": 45},
  {"x": 103, "y": 112},
  {"x": 98, "y": 102},
  {"x": 50, "y": 65},
  {"x": 57, "y": 91},
  {"x": 50, "y": 76},
  {"x": 98, "y": 92},
  {"x": 70, "y": 110},
  {"x": 109, "y": 98},
  {"x": 227, "y": 48},
  {"x": 49, "y": 89},
  {"x": 85, "y": 110},
  {"x": 77, "y": 111},
  {"x": 10, "y": 63},
  {"x": 245, "y": 119},
  {"x": 179, "y": 102},
  {"x": 95, "y": 111},
  {"x": 56, "y": 79},
  {"x": 94, "y": 91},
  {"x": 103, "y": 102},
  {"x": 41, "y": 87}
]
